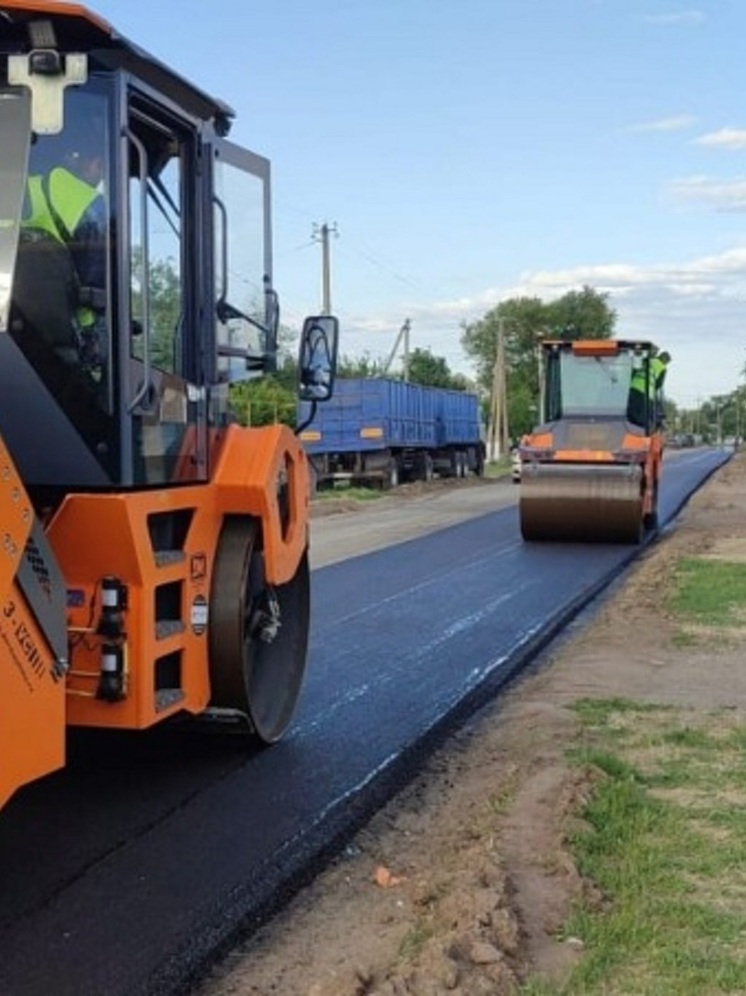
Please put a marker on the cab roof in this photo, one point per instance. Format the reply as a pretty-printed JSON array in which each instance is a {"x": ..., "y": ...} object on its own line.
[
  {"x": 78, "y": 29},
  {"x": 598, "y": 347}
]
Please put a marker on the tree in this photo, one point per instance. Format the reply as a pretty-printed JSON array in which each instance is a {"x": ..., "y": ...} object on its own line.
[
  {"x": 264, "y": 401},
  {"x": 165, "y": 309},
  {"x": 424, "y": 368},
  {"x": 525, "y": 321},
  {"x": 359, "y": 366},
  {"x": 583, "y": 314}
]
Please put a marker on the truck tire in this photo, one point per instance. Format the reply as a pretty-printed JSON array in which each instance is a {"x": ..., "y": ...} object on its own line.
[
  {"x": 425, "y": 467},
  {"x": 392, "y": 476}
]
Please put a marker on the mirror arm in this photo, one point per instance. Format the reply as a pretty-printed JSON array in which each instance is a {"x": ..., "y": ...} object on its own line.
[
  {"x": 307, "y": 422},
  {"x": 227, "y": 311}
]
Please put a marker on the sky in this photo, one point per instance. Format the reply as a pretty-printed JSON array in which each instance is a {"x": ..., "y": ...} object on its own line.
[{"x": 464, "y": 152}]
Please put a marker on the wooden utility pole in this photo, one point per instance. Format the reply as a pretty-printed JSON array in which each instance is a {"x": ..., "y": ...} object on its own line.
[
  {"x": 499, "y": 438},
  {"x": 403, "y": 336},
  {"x": 321, "y": 234}
]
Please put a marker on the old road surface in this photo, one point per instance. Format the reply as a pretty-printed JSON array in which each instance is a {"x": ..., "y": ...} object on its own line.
[{"x": 123, "y": 873}]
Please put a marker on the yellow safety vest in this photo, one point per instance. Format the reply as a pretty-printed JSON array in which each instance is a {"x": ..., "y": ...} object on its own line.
[
  {"x": 638, "y": 383},
  {"x": 657, "y": 369},
  {"x": 56, "y": 203}
]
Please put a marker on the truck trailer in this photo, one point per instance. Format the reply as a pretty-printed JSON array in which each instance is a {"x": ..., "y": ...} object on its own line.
[
  {"x": 155, "y": 560},
  {"x": 378, "y": 431}
]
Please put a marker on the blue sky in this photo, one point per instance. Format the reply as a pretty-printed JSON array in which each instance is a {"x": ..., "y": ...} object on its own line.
[{"x": 469, "y": 151}]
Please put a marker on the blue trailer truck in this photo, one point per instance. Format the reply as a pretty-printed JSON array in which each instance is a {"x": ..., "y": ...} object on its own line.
[{"x": 380, "y": 432}]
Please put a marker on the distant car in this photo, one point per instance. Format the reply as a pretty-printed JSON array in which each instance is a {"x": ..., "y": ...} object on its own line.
[{"x": 515, "y": 465}]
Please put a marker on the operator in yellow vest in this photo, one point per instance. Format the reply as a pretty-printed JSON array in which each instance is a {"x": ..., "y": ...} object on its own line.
[
  {"x": 645, "y": 390},
  {"x": 66, "y": 206},
  {"x": 658, "y": 370}
]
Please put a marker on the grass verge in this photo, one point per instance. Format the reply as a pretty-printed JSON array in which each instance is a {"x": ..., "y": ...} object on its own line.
[
  {"x": 661, "y": 841},
  {"x": 349, "y": 493}
]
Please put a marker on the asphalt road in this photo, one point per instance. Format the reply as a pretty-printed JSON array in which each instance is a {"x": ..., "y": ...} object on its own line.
[{"x": 123, "y": 873}]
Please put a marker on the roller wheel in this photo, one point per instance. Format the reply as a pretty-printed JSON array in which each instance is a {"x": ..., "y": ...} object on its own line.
[
  {"x": 258, "y": 633},
  {"x": 651, "y": 519}
]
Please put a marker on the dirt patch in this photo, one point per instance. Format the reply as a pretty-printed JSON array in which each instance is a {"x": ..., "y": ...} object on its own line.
[{"x": 462, "y": 883}]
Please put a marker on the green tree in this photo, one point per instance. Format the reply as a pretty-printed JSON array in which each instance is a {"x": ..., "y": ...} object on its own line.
[
  {"x": 270, "y": 399},
  {"x": 264, "y": 401},
  {"x": 165, "y": 309},
  {"x": 583, "y": 314},
  {"x": 525, "y": 322},
  {"x": 359, "y": 366},
  {"x": 424, "y": 368}
]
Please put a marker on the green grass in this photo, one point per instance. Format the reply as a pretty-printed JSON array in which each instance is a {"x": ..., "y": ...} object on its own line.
[
  {"x": 348, "y": 492},
  {"x": 414, "y": 940},
  {"x": 709, "y": 592},
  {"x": 662, "y": 838},
  {"x": 498, "y": 468}
]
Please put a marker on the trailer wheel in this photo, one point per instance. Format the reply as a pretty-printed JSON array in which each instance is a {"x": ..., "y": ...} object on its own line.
[
  {"x": 394, "y": 473},
  {"x": 258, "y": 634},
  {"x": 425, "y": 467}
]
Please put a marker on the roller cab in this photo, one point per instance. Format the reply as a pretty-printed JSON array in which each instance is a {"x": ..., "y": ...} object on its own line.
[
  {"x": 156, "y": 561},
  {"x": 591, "y": 469}
]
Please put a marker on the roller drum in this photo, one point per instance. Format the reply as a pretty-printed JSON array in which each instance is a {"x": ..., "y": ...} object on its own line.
[{"x": 581, "y": 503}]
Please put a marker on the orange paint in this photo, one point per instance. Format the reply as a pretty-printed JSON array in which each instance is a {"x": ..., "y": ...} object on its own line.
[
  {"x": 54, "y": 9},
  {"x": 98, "y": 535},
  {"x": 32, "y": 696}
]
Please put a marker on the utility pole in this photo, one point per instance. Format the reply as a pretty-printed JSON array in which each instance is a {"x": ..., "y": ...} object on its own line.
[
  {"x": 321, "y": 234},
  {"x": 402, "y": 336},
  {"x": 498, "y": 440}
]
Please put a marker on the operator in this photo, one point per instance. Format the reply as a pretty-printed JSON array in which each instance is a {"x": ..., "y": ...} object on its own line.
[
  {"x": 67, "y": 206},
  {"x": 644, "y": 390},
  {"x": 658, "y": 369},
  {"x": 638, "y": 395}
]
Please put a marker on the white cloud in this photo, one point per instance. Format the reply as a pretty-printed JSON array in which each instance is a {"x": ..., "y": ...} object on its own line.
[
  {"x": 725, "y": 138},
  {"x": 676, "y": 17},
  {"x": 722, "y": 195},
  {"x": 695, "y": 308},
  {"x": 678, "y": 122}
]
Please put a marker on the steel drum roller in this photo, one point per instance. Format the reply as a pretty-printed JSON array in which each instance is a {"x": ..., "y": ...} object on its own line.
[{"x": 574, "y": 502}]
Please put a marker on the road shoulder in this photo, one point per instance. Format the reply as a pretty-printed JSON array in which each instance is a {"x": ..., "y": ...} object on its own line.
[{"x": 462, "y": 882}]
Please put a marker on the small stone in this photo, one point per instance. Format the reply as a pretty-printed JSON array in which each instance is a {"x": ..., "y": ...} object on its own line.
[{"x": 484, "y": 953}]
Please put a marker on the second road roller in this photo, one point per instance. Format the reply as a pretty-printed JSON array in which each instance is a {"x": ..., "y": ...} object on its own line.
[{"x": 591, "y": 470}]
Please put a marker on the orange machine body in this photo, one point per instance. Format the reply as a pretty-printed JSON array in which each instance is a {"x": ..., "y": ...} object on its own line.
[
  {"x": 262, "y": 473},
  {"x": 166, "y": 620}
]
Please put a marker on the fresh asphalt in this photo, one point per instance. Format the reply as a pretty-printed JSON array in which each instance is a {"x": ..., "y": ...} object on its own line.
[{"x": 128, "y": 871}]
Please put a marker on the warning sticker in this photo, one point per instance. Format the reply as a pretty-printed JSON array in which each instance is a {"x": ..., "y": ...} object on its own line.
[{"x": 199, "y": 615}]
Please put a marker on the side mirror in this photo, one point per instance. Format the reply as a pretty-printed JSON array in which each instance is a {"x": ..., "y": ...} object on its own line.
[{"x": 317, "y": 362}]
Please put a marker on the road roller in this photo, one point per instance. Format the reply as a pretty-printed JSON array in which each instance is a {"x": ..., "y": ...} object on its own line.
[
  {"x": 154, "y": 561},
  {"x": 590, "y": 471}
]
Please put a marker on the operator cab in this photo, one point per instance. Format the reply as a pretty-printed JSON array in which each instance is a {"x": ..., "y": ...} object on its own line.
[{"x": 121, "y": 332}]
